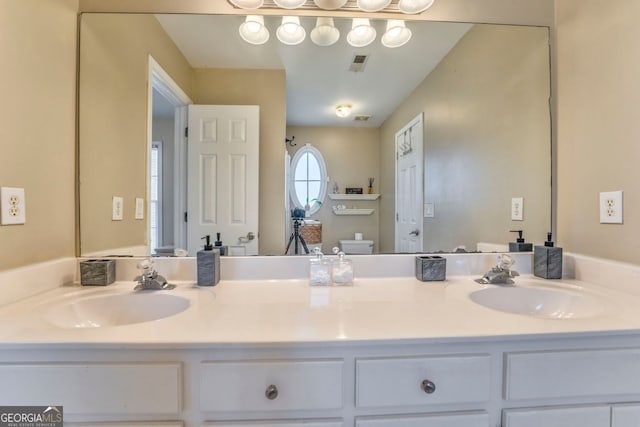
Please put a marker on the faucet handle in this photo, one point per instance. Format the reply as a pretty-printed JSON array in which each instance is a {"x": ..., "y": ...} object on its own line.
[
  {"x": 505, "y": 261},
  {"x": 146, "y": 267}
]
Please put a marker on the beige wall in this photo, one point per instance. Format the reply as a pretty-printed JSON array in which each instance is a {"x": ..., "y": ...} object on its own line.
[
  {"x": 37, "y": 136},
  {"x": 486, "y": 140},
  {"x": 114, "y": 54},
  {"x": 352, "y": 155},
  {"x": 598, "y": 149},
  {"x": 265, "y": 88}
]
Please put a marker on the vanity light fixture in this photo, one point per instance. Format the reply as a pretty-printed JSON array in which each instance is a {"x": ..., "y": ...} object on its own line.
[
  {"x": 248, "y": 4},
  {"x": 325, "y": 33},
  {"x": 414, "y": 6},
  {"x": 373, "y": 5},
  {"x": 330, "y": 4},
  {"x": 253, "y": 31},
  {"x": 362, "y": 33},
  {"x": 397, "y": 34},
  {"x": 290, "y": 31},
  {"x": 289, "y": 4},
  {"x": 343, "y": 110}
]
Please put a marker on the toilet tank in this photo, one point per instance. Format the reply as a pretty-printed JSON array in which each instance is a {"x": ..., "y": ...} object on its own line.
[{"x": 356, "y": 247}]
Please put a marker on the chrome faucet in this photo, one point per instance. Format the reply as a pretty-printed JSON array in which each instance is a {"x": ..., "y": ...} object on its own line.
[
  {"x": 501, "y": 274},
  {"x": 149, "y": 279}
]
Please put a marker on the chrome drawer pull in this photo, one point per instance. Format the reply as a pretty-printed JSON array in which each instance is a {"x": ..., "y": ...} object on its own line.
[
  {"x": 271, "y": 392},
  {"x": 428, "y": 386}
]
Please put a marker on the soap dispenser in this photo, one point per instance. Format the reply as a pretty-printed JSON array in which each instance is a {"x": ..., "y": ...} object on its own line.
[
  {"x": 547, "y": 260},
  {"x": 208, "y": 264},
  {"x": 319, "y": 269},
  {"x": 218, "y": 245},
  {"x": 342, "y": 270},
  {"x": 519, "y": 245}
]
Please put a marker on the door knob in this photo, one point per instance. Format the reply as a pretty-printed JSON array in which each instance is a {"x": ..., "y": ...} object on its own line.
[
  {"x": 415, "y": 233},
  {"x": 246, "y": 239}
]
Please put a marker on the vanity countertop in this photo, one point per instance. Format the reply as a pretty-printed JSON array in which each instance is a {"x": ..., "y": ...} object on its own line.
[{"x": 290, "y": 311}]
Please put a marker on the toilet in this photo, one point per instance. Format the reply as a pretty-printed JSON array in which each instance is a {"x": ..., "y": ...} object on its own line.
[{"x": 356, "y": 247}]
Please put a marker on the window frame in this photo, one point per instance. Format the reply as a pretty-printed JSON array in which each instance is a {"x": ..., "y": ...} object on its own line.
[{"x": 308, "y": 148}]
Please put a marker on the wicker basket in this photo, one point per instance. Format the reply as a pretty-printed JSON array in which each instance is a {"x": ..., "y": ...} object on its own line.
[{"x": 312, "y": 233}]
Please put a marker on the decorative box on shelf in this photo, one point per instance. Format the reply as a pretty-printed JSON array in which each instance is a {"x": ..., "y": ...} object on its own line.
[{"x": 354, "y": 196}]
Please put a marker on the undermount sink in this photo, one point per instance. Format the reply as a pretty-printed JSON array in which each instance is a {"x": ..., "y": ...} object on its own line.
[
  {"x": 539, "y": 302},
  {"x": 115, "y": 310}
]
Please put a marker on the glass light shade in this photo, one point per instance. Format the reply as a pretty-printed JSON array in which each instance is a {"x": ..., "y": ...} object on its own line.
[
  {"x": 325, "y": 33},
  {"x": 289, "y": 4},
  {"x": 397, "y": 34},
  {"x": 248, "y": 4},
  {"x": 330, "y": 4},
  {"x": 253, "y": 31},
  {"x": 362, "y": 33},
  {"x": 343, "y": 110},
  {"x": 290, "y": 31},
  {"x": 373, "y": 5},
  {"x": 414, "y": 6}
]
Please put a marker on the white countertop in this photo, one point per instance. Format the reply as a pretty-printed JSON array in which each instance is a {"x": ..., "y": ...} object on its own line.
[{"x": 290, "y": 311}]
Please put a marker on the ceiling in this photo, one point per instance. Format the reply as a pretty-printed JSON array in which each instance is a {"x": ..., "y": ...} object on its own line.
[{"x": 318, "y": 78}]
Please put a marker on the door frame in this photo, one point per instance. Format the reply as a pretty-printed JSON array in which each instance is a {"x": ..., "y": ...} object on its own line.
[
  {"x": 416, "y": 120},
  {"x": 161, "y": 81}
]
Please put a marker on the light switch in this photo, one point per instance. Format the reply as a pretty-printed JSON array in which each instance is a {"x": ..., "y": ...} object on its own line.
[
  {"x": 117, "y": 213},
  {"x": 517, "y": 209},
  {"x": 429, "y": 210}
]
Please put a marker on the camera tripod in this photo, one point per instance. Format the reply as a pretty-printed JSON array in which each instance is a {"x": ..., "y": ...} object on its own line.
[{"x": 296, "y": 237}]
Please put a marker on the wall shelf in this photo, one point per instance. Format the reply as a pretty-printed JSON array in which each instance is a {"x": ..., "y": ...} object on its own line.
[
  {"x": 353, "y": 211},
  {"x": 354, "y": 196}
]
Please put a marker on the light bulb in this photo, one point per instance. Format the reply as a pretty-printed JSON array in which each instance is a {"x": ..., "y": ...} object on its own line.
[
  {"x": 253, "y": 31},
  {"x": 414, "y": 6},
  {"x": 325, "y": 33},
  {"x": 330, "y": 4},
  {"x": 362, "y": 33},
  {"x": 343, "y": 110},
  {"x": 248, "y": 4},
  {"x": 290, "y": 32},
  {"x": 373, "y": 5},
  {"x": 397, "y": 34},
  {"x": 289, "y": 4}
]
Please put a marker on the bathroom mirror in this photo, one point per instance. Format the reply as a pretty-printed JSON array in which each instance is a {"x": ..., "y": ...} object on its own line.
[{"x": 481, "y": 90}]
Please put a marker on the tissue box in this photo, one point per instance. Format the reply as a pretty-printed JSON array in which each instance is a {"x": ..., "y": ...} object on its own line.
[
  {"x": 97, "y": 272},
  {"x": 431, "y": 268}
]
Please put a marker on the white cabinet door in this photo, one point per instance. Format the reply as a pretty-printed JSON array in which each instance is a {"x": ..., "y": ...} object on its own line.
[
  {"x": 625, "y": 416},
  {"x": 478, "y": 419},
  {"x": 585, "y": 416}
]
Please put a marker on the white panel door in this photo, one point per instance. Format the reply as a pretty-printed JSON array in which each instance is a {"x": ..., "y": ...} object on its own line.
[
  {"x": 409, "y": 187},
  {"x": 223, "y": 176}
]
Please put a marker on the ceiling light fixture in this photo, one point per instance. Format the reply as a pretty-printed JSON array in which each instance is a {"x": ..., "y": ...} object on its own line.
[
  {"x": 414, "y": 6},
  {"x": 289, "y": 4},
  {"x": 325, "y": 33},
  {"x": 372, "y": 5},
  {"x": 248, "y": 4},
  {"x": 343, "y": 110},
  {"x": 290, "y": 31},
  {"x": 330, "y": 4},
  {"x": 397, "y": 34},
  {"x": 253, "y": 31},
  {"x": 362, "y": 33}
]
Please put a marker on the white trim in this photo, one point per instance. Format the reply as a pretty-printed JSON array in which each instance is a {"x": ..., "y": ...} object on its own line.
[
  {"x": 308, "y": 148},
  {"x": 160, "y": 199}
]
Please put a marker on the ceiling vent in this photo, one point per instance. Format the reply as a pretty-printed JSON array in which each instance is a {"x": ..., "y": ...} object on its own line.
[
  {"x": 358, "y": 63},
  {"x": 362, "y": 118}
]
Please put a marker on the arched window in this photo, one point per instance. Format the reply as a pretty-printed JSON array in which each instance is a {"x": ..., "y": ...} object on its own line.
[{"x": 308, "y": 179}]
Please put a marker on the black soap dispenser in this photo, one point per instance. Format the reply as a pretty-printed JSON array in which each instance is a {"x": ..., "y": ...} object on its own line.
[
  {"x": 223, "y": 249},
  {"x": 519, "y": 245},
  {"x": 547, "y": 260},
  {"x": 208, "y": 264}
]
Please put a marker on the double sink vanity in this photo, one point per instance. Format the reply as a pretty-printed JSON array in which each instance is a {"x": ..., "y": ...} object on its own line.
[{"x": 389, "y": 351}]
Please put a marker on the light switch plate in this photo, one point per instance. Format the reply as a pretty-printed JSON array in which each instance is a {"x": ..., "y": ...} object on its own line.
[
  {"x": 12, "y": 207},
  {"x": 429, "y": 210},
  {"x": 611, "y": 207},
  {"x": 117, "y": 213},
  {"x": 139, "y": 208},
  {"x": 517, "y": 209}
]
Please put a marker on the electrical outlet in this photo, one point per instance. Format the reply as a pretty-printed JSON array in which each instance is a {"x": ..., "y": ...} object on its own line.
[
  {"x": 611, "y": 207},
  {"x": 13, "y": 206},
  {"x": 117, "y": 212},
  {"x": 139, "y": 208},
  {"x": 517, "y": 209}
]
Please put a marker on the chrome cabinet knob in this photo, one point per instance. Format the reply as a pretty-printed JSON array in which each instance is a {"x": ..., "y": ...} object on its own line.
[
  {"x": 428, "y": 386},
  {"x": 271, "y": 392}
]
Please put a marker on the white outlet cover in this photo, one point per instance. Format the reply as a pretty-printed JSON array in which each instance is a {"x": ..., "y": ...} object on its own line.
[
  {"x": 517, "y": 209},
  {"x": 139, "y": 208},
  {"x": 13, "y": 207},
  {"x": 117, "y": 213},
  {"x": 429, "y": 210},
  {"x": 611, "y": 207}
]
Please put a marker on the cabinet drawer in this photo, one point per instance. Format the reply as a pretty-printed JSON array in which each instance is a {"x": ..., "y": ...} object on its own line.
[
  {"x": 581, "y": 373},
  {"x": 586, "y": 416},
  {"x": 297, "y": 423},
  {"x": 100, "y": 388},
  {"x": 402, "y": 381},
  {"x": 479, "y": 419},
  {"x": 271, "y": 385},
  {"x": 129, "y": 424},
  {"x": 625, "y": 416}
]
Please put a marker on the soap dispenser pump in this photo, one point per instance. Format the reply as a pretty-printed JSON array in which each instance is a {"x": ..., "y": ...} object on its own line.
[
  {"x": 319, "y": 269},
  {"x": 342, "y": 271},
  {"x": 547, "y": 260},
  {"x": 208, "y": 264},
  {"x": 519, "y": 245},
  {"x": 223, "y": 249}
]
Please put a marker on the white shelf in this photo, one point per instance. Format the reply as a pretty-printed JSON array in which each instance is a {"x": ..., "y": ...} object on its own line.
[
  {"x": 354, "y": 196},
  {"x": 353, "y": 211}
]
